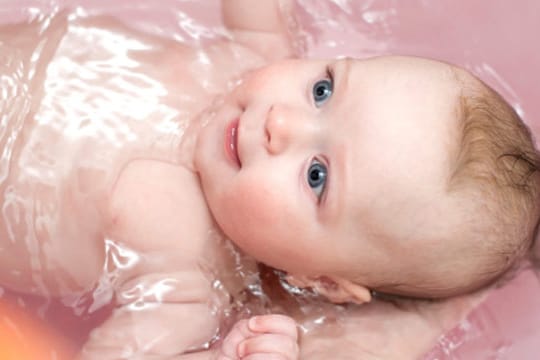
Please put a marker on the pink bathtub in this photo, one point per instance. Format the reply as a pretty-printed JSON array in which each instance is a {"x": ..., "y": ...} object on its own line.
[{"x": 494, "y": 39}]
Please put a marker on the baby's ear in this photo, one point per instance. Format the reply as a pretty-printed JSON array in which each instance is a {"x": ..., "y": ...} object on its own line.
[{"x": 335, "y": 289}]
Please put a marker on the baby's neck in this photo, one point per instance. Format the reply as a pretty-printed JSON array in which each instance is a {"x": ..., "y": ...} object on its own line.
[{"x": 186, "y": 149}]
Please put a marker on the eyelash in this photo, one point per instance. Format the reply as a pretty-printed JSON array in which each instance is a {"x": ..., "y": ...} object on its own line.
[
  {"x": 324, "y": 163},
  {"x": 328, "y": 78},
  {"x": 330, "y": 73}
]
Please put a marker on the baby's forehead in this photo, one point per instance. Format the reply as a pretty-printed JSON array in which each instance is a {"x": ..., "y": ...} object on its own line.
[
  {"x": 412, "y": 111},
  {"x": 408, "y": 65},
  {"x": 406, "y": 134}
]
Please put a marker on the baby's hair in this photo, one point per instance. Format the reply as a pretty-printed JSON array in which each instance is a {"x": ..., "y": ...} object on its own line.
[{"x": 497, "y": 161}]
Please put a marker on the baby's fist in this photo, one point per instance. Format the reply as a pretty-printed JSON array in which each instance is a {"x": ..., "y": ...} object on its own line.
[{"x": 265, "y": 337}]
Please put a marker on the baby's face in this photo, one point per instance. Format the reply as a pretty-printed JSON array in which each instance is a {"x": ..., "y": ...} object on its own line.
[{"x": 342, "y": 165}]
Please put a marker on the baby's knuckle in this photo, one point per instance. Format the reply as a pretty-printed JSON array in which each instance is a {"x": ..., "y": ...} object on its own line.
[{"x": 289, "y": 349}]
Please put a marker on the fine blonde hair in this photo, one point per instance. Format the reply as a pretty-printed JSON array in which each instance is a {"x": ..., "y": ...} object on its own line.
[{"x": 497, "y": 161}]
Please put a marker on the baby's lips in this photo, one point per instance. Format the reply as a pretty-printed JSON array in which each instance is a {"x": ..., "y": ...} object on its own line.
[{"x": 231, "y": 142}]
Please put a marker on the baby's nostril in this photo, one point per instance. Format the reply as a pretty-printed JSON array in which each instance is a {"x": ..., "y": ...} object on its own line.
[
  {"x": 268, "y": 137},
  {"x": 267, "y": 127}
]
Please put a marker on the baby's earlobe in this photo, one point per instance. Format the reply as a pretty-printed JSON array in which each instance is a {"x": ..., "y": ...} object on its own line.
[{"x": 358, "y": 294}]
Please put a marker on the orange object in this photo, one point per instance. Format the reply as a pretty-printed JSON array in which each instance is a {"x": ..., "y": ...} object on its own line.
[{"x": 24, "y": 337}]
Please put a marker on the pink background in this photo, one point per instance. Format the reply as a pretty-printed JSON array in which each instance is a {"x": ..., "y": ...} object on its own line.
[{"x": 495, "y": 39}]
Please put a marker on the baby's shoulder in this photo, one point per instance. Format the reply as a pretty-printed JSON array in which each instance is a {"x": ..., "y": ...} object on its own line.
[{"x": 156, "y": 206}]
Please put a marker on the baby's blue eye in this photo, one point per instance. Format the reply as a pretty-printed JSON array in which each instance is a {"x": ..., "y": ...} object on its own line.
[
  {"x": 322, "y": 90},
  {"x": 316, "y": 175}
]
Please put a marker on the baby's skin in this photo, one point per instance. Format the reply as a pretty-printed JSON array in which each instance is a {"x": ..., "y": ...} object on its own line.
[
  {"x": 147, "y": 215},
  {"x": 147, "y": 219}
]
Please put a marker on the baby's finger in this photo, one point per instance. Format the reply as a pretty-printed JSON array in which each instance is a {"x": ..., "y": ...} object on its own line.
[
  {"x": 277, "y": 324},
  {"x": 239, "y": 332},
  {"x": 269, "y": 344}
]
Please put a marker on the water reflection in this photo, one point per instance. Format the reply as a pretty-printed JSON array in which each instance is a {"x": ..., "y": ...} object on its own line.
[{"x": 337, "y": 28}]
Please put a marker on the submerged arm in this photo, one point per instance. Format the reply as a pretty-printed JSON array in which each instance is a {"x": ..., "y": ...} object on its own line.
[
  {"x": 262, "y": 25},
  {"x": 175, "y": 327},
  {"x": 164, "y": 300}
]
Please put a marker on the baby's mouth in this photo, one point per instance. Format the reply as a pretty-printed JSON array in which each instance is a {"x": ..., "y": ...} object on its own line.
[{"x": 231, "y": 142}]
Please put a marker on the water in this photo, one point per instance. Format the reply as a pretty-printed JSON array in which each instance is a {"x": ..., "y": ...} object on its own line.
[{"x": 496, "y": 41}]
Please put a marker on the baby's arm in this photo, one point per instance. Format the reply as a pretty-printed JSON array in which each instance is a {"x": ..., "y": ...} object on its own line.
[
  {"x": 165, "y": 327},
  {"x": 163, "y": 299},
  {"x": 262, "y": 25}
]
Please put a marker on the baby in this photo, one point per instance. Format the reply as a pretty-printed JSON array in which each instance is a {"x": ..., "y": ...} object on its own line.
[{"x": 397, "y": 175}]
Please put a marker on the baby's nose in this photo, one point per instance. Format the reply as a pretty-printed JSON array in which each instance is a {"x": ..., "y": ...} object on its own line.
[{"x": 285, "y": 126}]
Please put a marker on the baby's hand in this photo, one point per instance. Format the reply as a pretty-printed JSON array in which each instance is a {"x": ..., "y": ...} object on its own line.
[{"x": 266, "y": 337}]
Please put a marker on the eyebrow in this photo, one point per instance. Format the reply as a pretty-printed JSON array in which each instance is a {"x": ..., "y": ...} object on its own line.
[
  {"x": 335, "y": 199},
  {"x": 339, "y": 169},
  {"x": 341, "y": 69}
]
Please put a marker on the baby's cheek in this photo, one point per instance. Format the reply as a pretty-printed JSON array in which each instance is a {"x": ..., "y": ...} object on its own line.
[
  {"x": 265, "y": 81},
  {"x": 252, "y": 217},
  {"x": 252, "y": 206}
]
